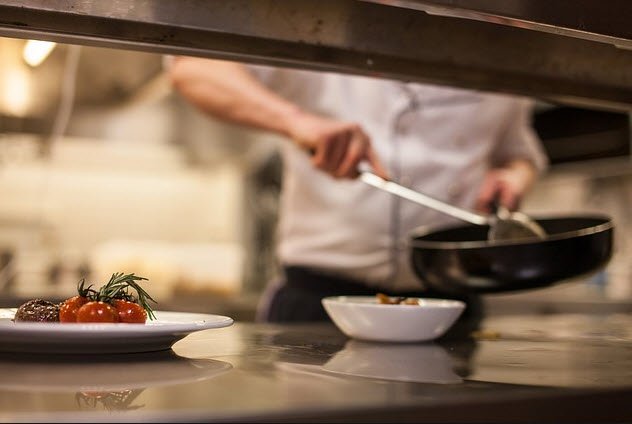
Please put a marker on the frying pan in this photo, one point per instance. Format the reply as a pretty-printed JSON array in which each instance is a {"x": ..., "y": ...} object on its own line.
[
  {"x": 464, "y": 260},
  {"x": 460, "y": 259}
]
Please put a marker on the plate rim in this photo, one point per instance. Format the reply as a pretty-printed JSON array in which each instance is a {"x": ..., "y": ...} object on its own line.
[
  {"x": 198, "y": 322},
  {"x": 371, "y": 302}
]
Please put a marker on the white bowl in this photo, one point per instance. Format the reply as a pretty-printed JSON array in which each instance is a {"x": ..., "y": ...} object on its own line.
[{"x": 363, "y": 318}]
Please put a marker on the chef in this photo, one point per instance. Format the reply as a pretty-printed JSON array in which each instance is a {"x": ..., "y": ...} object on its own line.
[{"x": 337, "y": 235}]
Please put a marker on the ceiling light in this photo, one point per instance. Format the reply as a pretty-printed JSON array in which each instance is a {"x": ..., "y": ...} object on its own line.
[{"x": 35, "y": 51}]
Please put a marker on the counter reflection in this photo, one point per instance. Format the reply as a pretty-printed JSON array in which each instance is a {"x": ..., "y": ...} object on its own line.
[{"x": 102, "y": 382}]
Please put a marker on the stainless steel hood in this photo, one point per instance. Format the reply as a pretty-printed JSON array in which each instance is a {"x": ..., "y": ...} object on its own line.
[{"x": 569, "y": 51}]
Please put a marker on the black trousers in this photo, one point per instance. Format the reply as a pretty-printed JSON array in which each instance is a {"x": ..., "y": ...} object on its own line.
[{"x": 299, "y": 297}]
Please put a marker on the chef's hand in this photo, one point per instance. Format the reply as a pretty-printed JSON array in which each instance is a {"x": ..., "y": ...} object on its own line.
[
  {"x": 336, "y": 147},
  {"x": 508, "y": 184}
]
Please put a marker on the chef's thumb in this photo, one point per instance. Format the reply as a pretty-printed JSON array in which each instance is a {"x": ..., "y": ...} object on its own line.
[{"x": 375, "y": 164}]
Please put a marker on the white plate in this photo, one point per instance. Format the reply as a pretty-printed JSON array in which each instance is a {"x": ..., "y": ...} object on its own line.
[{"x": 159, "y": 334}]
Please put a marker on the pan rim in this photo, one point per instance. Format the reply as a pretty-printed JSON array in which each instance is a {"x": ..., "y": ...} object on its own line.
[{"x": 476, "y": 244}]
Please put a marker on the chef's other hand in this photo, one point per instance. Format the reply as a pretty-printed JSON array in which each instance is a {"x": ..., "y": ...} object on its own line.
[
  {"x": 508, "y": 184},
  {"x": 336, "y": 147}
]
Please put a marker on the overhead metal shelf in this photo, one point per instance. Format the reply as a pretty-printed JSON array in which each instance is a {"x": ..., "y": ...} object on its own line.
[
  {"x": 575, "y": 52},
  {"x": 588, "y": 19}
]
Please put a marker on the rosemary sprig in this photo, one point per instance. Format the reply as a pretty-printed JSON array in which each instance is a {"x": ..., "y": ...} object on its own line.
[{"x": 119, "y": 288}]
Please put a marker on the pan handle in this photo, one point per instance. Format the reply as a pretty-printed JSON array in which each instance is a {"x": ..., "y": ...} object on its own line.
[{"x": 422, "y": 199}]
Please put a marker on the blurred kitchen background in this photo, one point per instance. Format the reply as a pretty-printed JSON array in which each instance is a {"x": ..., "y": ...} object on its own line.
[{"x": 104, "y": 169}]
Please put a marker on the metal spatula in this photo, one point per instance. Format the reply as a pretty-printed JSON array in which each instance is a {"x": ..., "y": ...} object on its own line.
[
  {"x": 504, "y": 225},
  {"x": 507, "y": 225}
]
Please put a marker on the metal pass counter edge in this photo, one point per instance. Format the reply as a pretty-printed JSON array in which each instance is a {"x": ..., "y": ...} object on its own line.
[{"x": 291, "y": 373}]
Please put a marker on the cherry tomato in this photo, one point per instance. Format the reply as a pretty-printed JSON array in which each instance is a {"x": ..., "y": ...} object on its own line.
[
  {"x": 68, "y": 309},
  {"x": 130, "y": 312},
  {"x": 97, "y": 312}
]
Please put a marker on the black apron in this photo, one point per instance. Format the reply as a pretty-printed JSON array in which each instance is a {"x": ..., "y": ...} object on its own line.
[{"x": 298, "y": 298}]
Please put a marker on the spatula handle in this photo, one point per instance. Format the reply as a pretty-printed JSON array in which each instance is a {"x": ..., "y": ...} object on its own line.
[{"x": 422, "y": 199}]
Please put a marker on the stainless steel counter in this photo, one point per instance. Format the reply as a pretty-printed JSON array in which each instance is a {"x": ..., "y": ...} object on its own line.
[{"x": 517, "y": 368}]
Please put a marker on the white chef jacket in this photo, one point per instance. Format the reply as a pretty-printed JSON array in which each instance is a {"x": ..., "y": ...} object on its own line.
[{"x": 437, "y": 140}]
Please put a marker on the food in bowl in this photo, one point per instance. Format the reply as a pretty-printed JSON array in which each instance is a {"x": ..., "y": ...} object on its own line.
[
  {"x": 365, "y": 318},
  {"x": 397, "y": 300}
]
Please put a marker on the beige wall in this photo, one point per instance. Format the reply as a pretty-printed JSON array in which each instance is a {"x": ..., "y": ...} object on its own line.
[{"x": 115, "y": 204}]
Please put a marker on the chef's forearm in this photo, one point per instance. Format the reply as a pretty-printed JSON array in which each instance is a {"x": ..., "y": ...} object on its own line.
[{"x": 228, "y": 91}]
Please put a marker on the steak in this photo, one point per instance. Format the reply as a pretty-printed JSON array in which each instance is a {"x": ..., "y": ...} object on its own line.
[{"x": 38, "y": 310}]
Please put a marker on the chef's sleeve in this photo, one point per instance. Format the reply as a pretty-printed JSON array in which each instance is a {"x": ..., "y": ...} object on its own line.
[{"x": 519, "y": 139}]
